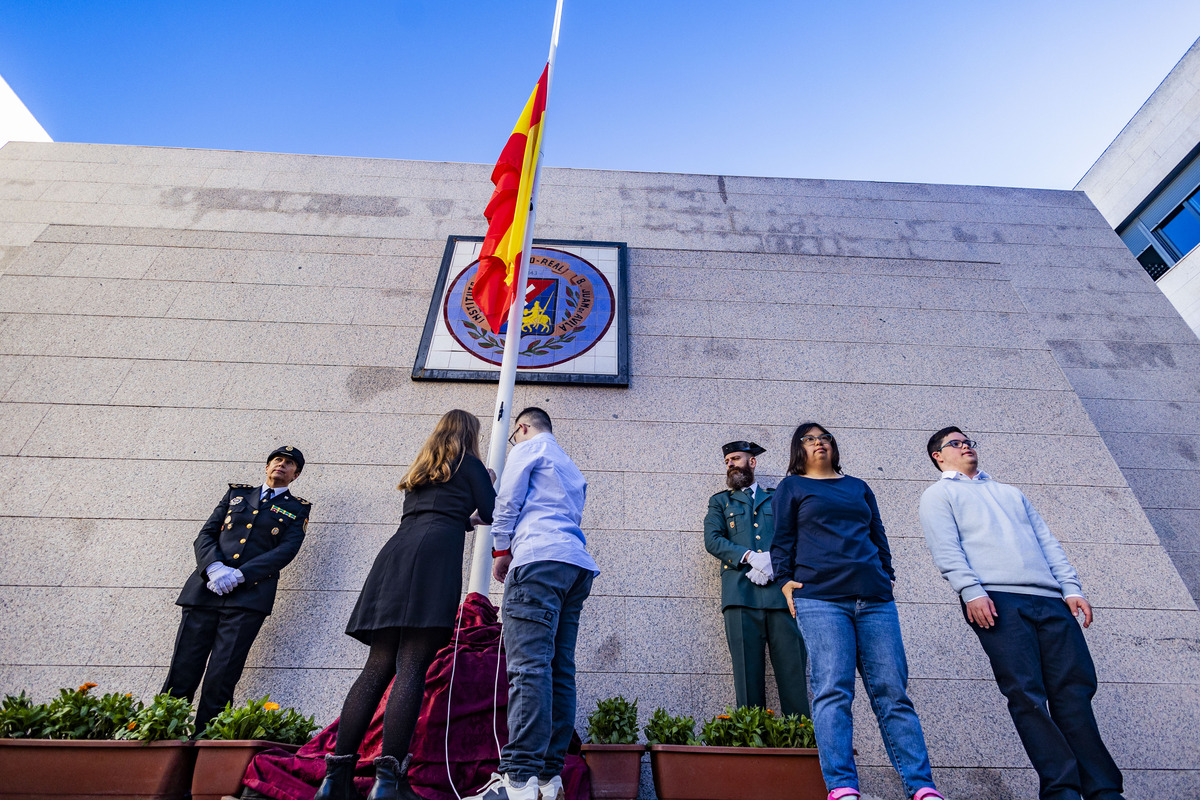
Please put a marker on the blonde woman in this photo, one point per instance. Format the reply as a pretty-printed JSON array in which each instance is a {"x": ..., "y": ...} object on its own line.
[{"x": 407, "y": 607}]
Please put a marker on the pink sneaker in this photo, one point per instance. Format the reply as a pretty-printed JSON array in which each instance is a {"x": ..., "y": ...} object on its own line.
[
  {"x": 844, "y": 793},
  {"x": 928, "y": 793}
]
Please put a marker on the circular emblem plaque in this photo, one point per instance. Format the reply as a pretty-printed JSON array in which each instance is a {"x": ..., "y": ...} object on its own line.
[{"x": 569, "y": 306}]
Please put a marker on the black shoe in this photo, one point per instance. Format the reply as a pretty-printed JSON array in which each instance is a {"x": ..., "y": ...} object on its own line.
[
  {"x": 391, "y": 783},
  {"x": 339, "y": 778}
]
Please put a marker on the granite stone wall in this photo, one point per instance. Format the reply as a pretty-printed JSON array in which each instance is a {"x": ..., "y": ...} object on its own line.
[{"x": 168, "y": 316}]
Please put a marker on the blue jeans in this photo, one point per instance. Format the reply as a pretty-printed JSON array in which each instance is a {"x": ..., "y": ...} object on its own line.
[
  {"x": 843, "y": 634},
  {"x": 1043, "y": 667},
  {"x": 540, "y": 612}
]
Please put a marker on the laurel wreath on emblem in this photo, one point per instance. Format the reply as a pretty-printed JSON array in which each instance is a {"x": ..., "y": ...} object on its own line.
[{"x": 535, "y": 347}]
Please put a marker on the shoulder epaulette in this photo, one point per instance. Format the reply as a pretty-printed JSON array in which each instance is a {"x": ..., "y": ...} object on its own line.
[
  {"x": 241, "y": 486},
  {"x": 302, "y": 501}
]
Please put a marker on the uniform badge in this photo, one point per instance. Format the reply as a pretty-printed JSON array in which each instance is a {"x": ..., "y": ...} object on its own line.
[
  {"x": 288, "y": 514},
  {"x": 235, "y": 501}
]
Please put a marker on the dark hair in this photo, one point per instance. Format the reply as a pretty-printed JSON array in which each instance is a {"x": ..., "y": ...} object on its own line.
[
  {"x": 796, "y": 464},
  {"x": 935, "y": 443},
  {"x": 534, "y": 417}
]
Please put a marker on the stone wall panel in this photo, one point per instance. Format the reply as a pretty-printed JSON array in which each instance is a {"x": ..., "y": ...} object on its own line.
[{"x": 169, "y": 316}]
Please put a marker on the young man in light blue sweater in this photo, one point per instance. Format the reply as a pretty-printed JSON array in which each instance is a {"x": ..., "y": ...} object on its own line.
[{"x": 1021, "y": 595}]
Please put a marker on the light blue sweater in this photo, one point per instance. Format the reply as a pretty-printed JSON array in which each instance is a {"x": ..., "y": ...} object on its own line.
[{"x": 986, "y": 536}]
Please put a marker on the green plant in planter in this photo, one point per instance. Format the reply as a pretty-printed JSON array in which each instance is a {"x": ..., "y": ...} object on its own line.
[
  {"x": 21, "y": 718},
  {"x": 79, "y": 714},
  {"x": 666, "y": 729},
  {"x": 167, "y": 717},
  {"x": 260, "y": 719},
  {"x": 613, "y": 722},
  {"x": 751, "y": 726},
  {"x": 790, "y": 730}
]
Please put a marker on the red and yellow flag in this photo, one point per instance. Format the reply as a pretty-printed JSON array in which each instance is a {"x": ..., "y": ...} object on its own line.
[{"x": 508, "y": 212}]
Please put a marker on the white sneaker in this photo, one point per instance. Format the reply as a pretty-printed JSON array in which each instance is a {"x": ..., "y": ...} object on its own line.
[
  {"x": 501, "y": 787},
  {"x": 551, "y": 789}
]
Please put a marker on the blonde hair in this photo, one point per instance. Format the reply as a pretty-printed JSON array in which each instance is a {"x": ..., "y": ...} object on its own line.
[{"x": 456, "y": 433}]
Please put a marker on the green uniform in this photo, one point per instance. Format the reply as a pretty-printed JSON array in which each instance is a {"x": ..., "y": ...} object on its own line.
[{"x": 756, "y": 617}]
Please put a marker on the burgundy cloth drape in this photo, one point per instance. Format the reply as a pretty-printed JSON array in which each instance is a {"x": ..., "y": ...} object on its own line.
[{"x": 472, "y": 746}]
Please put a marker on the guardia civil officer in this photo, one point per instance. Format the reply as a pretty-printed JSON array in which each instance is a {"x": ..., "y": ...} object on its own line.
[
  {"x": 253, "y": 533},
  {"x": 738, "y": 529}
]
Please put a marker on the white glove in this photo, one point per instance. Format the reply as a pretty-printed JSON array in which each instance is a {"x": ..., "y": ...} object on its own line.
[
  {"x": 758, "y": 577},
  {"x": 237, "y": 573},
  {"x": 222, "y": 579},
  {"x": 759, "y": 561}
]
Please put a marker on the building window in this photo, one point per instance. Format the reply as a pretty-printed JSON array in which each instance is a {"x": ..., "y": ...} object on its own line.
[
  {"x": 1153, "y": 262},
  {"x": 1180, "y": 230}
]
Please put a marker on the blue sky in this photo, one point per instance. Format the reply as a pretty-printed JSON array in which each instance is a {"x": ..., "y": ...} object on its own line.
[{"x": 1015, "y": 93}]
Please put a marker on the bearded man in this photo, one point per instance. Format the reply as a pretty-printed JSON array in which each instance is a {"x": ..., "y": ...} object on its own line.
[{"x": 737, "y": 531}]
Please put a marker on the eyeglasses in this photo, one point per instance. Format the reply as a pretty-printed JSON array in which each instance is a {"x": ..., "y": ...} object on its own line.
[
  {"x": 959, "y": 444},
  {"x": 824, "y": 438},
  {"x": 513, "y": 435}
]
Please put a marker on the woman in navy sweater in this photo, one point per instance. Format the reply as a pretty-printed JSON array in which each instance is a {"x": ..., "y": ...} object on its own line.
[{"x": 831, "y": 552}]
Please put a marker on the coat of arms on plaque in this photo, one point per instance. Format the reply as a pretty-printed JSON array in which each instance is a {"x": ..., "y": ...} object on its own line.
[{"x": 573, "y": 325}]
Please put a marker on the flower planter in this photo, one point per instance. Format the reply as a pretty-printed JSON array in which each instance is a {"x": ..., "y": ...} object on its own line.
[
  {"x": 220, "y": 765},
  {"x": 36, "y": 769},
  {"x": 615, "y": 769},
  {"x": 690, "y": 772}
]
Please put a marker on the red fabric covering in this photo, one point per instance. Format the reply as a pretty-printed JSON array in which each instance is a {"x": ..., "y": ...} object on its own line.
[{"x": 472, "y": 747}]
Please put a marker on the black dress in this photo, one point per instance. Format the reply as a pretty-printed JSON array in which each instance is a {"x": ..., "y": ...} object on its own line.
[{"x": 417, "y": 577}]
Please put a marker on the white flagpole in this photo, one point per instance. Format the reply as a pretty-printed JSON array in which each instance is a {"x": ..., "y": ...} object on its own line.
[{"x": 481, "y": 562}]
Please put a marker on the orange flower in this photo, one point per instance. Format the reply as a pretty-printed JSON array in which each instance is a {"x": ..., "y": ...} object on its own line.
[
  {"x": 723, "y": 716},
  {"x": 129, "y": 694},
  {"x": 769, "y": 711},
  {"x": 271, "y": 706},
  {"x": 131, "y": 726},
  {"x": 87, "y": 687}
]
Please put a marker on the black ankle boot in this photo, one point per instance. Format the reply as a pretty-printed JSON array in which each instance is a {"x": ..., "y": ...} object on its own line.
[
  {"x": 339, "y": 778},
  {"x": 391, "y": 783}
]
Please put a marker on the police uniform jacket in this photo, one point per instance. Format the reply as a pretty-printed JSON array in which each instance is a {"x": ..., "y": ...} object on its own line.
[
  {"x": 258, "y": 539},
  {"x": 731, "y": 527}
]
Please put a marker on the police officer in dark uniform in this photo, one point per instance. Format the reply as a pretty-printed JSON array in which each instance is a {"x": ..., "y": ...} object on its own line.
[
  {"x": 253, "y": 533},
  {"x": 738, "y": 529}
]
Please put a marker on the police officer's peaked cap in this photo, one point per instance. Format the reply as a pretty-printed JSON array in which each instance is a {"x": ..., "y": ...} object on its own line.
[
  {"x": 742, "y": 447},
  {"x": 289, "y": 452}
]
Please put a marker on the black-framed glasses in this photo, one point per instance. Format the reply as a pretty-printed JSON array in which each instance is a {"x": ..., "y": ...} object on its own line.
[
  {"x": 824, "y": 438},
  {"x": 513, "y": 435},
  {"x": 959, "y": 444}
]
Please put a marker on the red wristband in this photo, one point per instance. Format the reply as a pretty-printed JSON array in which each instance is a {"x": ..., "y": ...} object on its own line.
[{"x": 498, "y": 553}]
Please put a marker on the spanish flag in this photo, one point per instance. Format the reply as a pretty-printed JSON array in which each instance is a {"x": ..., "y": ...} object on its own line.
[{"x": 508, "y": 212}]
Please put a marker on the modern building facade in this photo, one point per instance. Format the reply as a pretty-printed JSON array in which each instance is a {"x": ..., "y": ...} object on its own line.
[
  {"x": 169, "y": 316},
  {"x": 1147, "y": 185}
]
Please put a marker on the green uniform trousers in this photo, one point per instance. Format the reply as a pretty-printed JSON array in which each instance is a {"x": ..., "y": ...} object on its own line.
[{"x": 750, "y": 631}]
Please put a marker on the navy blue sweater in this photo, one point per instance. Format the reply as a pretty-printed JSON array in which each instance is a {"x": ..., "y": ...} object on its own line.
[{"x": 829, "y": 537}]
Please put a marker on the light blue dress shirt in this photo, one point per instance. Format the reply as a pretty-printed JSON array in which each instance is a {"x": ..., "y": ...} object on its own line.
[{"x": 539, "y": 506}]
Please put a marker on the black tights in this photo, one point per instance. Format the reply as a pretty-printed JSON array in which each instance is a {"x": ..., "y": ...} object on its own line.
[{"x": 405, "y": 653}]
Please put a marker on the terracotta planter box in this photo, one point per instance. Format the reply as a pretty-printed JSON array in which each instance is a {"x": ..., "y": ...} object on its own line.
[
  {"x": 220, "y": 765},
  {"x": 37, "y": 769},
  {"x": 615, "y": 769},
  {"x": 688, "y": 772}
]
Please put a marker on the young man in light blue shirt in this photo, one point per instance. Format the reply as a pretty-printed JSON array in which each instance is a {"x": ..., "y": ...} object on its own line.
[
  {"x": 540, "y": 554},
  {"x": 1020, "y": 596}
]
